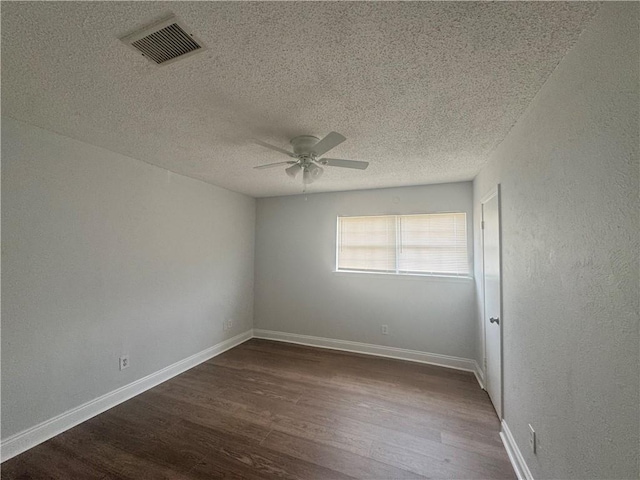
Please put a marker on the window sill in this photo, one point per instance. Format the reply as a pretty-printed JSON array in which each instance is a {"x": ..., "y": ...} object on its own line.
[{"x": 408, "y": 276}]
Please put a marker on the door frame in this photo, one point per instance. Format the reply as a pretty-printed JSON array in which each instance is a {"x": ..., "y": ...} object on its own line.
[{"x": 494, "y": 192}]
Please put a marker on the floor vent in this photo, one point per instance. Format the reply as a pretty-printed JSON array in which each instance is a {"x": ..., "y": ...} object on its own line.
[{"x": 164, "y": 42}]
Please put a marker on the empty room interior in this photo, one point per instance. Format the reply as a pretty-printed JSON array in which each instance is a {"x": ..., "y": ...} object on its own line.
[{"x": 320, "y": 240}]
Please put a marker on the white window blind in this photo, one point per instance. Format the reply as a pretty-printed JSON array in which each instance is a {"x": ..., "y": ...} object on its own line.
[
  {"x": 367, "y": 243},
  {"x": 406, "y": 244}
]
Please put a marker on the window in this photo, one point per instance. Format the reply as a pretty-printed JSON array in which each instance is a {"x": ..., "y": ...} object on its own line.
[{"x": 425, "y": 244}]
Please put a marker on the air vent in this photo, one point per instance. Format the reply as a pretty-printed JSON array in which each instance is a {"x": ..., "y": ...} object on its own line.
[{"x": 164, "y": 42}]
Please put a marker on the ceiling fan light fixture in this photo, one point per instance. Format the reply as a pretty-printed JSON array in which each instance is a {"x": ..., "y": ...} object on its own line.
[
  {"x": 306, "y": 177},
  {"x": 293, "y": 170},
  {"x": 315, "y": 171},
  {"x": 311, "y": 173}
]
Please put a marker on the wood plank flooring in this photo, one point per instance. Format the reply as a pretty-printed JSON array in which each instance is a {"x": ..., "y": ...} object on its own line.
[{"x": 273, "y": 410}]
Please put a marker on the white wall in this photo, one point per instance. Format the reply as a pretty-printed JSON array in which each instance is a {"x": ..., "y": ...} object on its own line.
[
  {"x": 570, "y": 229},
  {"x": 297, "y": 290},
  {"x": 104, "y": 255}
]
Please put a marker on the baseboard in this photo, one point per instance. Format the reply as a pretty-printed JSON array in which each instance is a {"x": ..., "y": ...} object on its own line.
[
  {"x": 370, "y": 349},
  {"x": 22, "y": 441},
  {"x": 515, "y": 455},
  {"x": 479, "y": 373}
]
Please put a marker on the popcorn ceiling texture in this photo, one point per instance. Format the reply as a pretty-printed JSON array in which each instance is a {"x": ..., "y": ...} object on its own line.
[{"x": 424, "y": 91}]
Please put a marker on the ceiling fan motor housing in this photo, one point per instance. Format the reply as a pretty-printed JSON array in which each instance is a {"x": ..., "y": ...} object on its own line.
[{"x": 303, "y": 144}]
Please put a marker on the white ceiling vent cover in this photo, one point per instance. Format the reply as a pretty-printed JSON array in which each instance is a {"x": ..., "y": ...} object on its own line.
[{"x": 164, "y": 42}]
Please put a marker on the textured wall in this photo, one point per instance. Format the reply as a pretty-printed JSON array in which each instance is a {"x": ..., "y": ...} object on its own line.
[
  {"x": 297, "y": 290},
  {"x": 104, "y": 255},
  {"x": 570, "y": 231}
]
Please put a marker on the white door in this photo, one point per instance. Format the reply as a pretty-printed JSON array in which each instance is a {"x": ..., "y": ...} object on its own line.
[{"x": 492, "y": 296}]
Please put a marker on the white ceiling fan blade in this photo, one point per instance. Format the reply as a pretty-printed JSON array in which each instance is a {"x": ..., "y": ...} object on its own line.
[
  {"x": 327, "y": 143},
  {"x": 272, "y": 147},
  {"x": 336, "y": 162},
  {"x": 271, "y": 165}
]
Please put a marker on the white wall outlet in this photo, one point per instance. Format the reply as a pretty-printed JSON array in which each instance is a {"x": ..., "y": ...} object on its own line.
[
  {"x": 229, "y": 324},
  {"x": 124, "y": 362},
  {"x": 532, "y": 439},
  {"x": 384, "y": 329}
]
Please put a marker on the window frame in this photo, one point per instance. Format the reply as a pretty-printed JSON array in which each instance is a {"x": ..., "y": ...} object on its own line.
[{"x": 397, "y": 272}]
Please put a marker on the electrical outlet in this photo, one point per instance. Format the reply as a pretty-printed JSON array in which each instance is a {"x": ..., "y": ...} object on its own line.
[
  {"x": 532, "y": 439},
  {"x": 384, "y": 329},
  {"x": 229, "y": 324},
  {"x": 124, "y": 362}
]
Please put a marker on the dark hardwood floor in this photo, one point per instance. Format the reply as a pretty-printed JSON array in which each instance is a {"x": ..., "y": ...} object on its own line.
[{"x": 273, "y": 410}]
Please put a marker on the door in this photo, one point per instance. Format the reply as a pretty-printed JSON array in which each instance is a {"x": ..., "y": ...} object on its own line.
[{"x": 492, "y": 298}]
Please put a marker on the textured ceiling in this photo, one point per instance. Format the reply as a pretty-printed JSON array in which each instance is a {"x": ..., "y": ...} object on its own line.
[{"x": 423, "y": 91}]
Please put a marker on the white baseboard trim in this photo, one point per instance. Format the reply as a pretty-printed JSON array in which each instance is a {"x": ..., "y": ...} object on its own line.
[
  {"x": 479, "y": 374},
  {"x": 514, "y": 453},
  {"x": 22, "y": 441},
  {"x": 370, "y": 349}
]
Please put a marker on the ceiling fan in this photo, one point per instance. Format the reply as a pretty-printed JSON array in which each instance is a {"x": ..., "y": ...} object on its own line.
[{"x": 308, "y": 153}]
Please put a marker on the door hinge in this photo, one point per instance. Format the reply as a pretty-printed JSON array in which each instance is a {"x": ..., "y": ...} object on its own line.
[{"x": 482, "y": 224}]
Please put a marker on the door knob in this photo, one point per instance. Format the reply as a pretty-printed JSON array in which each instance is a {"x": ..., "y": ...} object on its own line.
[{"x": 494, "y": 320}]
